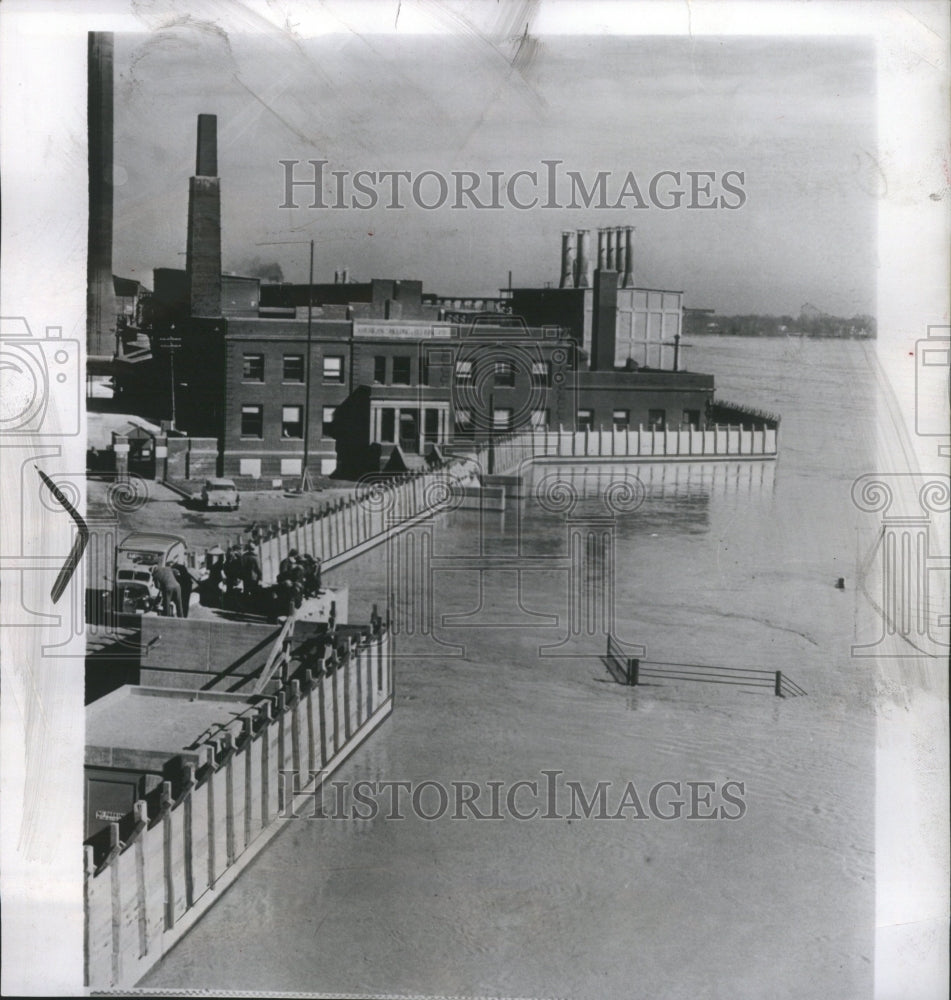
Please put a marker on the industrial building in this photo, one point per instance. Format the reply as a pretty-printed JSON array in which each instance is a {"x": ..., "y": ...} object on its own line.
[{"x": 337, "y": 377}]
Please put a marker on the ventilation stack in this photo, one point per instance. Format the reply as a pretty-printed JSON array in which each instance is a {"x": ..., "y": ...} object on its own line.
[
  {"x": 627, "y": 278},
  {"x": 567, "y": 262},
  {"x": 582, "y": 262}
]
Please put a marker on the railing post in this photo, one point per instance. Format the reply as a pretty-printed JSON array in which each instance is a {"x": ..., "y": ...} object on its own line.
[
  {"x": 633, "y": 671},
  {"x": 778, "y": 689}
]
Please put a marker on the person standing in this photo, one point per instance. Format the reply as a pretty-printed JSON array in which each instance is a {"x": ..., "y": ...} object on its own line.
[
  {"x": 169, "y": 590},
  {"x": 250, "y": 572}
]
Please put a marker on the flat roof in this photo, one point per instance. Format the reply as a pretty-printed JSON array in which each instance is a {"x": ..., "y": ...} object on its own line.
[{"x": 162, "y": 720}]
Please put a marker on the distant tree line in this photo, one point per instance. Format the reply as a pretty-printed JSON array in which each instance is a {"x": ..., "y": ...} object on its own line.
[{"x": 809, "y": 323}]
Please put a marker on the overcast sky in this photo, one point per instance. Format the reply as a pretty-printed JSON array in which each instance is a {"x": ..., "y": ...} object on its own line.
[{"x": 795, "y": 115}]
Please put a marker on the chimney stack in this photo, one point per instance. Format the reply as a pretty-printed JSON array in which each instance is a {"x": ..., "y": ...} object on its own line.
[
  {"x": 602, "y": 249},
  {"x": 620, "y": 256},
  {"x": 627, "y": 280},
  {"x": 100, "y": 292},
  {"x": 203, "y": 251},
  {"x": 567, "y": 265},
  {"x": 582, "y": 263}
]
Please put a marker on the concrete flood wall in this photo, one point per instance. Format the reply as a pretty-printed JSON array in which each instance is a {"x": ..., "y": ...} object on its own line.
[
  {"x": 343, "y": 529},
  {"x": 150, "y": 889}
]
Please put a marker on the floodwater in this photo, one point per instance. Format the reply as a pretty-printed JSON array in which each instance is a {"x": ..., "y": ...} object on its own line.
[{"x": 726, "y": 565}]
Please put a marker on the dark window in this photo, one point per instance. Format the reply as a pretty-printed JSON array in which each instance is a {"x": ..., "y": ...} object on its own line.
[
  {"x": 431, "y": 425},
  {"x": 657, "y": 419},
  {"x": 333, "y": 368},
  {"x": 379, "y": 370},
  {"x": 252, "y": 421},
  {"x": 424, "y": 370},
  {"x": 327, "y": 426},
  {"x": 388, "y": 425},
  {"x": 293, "y": 367},
  {"x": 585, "y": 420},
  {"x": 401, "y": 370},
  {"x": 692, "y": 418},
  {"x": 621, "y": 419},
  {"x": 292, "y": 422},
  {"x": 253, "y": 368},
  {"x": 409, "y": 429},
  {"x": 504, "y": 374}
]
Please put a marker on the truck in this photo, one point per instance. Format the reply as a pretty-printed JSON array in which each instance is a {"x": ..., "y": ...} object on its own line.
[{"x": 136, "y": 554}]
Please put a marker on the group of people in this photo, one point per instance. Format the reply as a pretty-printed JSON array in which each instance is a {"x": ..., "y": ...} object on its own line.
[
  {"x": 235, "y": 581},
  {"x": 298, "y": 577}
]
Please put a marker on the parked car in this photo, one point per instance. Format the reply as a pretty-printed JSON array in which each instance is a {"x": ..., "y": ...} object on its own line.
[
  {"x": 135, "y": 557},
  {"x": 220, "y": 494}
]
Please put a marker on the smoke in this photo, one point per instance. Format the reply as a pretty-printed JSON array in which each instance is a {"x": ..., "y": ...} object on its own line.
[{"x": 255, "y": 267}]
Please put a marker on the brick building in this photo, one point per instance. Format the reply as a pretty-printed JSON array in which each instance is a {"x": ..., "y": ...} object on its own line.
[{"x": 335, "y": 377}]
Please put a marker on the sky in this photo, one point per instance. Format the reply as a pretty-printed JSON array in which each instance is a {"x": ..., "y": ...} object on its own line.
[{"x": 795, "y": 115}]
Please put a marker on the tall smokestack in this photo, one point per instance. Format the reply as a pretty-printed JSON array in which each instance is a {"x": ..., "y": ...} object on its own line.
[
  {"x": 627, "y": 281},
  {"x": 610, "y": 256},
  {"x": 203, "y": 260},
  {"x": 583, "y": 240},
  {"x": 602, "y": 249},
  {"x": 620, "y": 255},
  {"x": 567, "y": 264},
  {"x": 100, "y": 292}
]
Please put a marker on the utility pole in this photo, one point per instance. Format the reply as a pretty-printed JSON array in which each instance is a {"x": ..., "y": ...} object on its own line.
[{"x": 305, "y": 482}]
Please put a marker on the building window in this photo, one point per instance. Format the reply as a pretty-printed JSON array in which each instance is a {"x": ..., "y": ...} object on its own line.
[
  {"x": 541, "y": 373},
  {"x": 388, "y": 425},
  {"x": 540, "y": 419},
  {"x": 252, "y": 421},
  {"x": 464, "y": 373},
  {"x": 502, "y": 418},
  {"x": 504, "y": 375},
  {"x": 333, "y": 368},
  {"x": 424, "y": 370},
  {"x": 327, "y": 418},
  {"x": 585, "y": 420},
  {"x": 621, "y": 419},
  {"x": 293, "y": 368},
  {"x": 292, "y": 423},
  {"x": 657, "y": 419},
  {"x": 379, "y": 370},
  {"x": 250, "y": 467},
  {"x": 463, "y": 420},
  {"x": 252, "y": 369},
  {"x": 431, "y": 424},
  {"x": 401, "y": 370},
  {"x": 692, "y": 419}
]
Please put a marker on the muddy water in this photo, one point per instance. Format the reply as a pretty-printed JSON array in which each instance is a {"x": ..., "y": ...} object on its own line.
[{"x": 724, "y": 565}]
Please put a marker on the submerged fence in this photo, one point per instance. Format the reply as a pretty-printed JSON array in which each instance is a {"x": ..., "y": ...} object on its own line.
[
  {"x": 632, "y": 671},
  {"x": 171, "y": 860}
]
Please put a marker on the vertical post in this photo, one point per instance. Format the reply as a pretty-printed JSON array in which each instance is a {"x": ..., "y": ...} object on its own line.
[
  {"x": 305, "y": 476},
  {"x": 778, "y": 689},
  {"x": 633, "y": 671}
]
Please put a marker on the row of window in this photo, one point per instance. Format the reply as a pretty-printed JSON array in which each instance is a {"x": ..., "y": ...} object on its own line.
[
  {"x": 292, "y": 370},
  {"x": 292, "y": 421},
  {"x": 620, "y": 419},
  {"x": 252, "y": 368}
]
